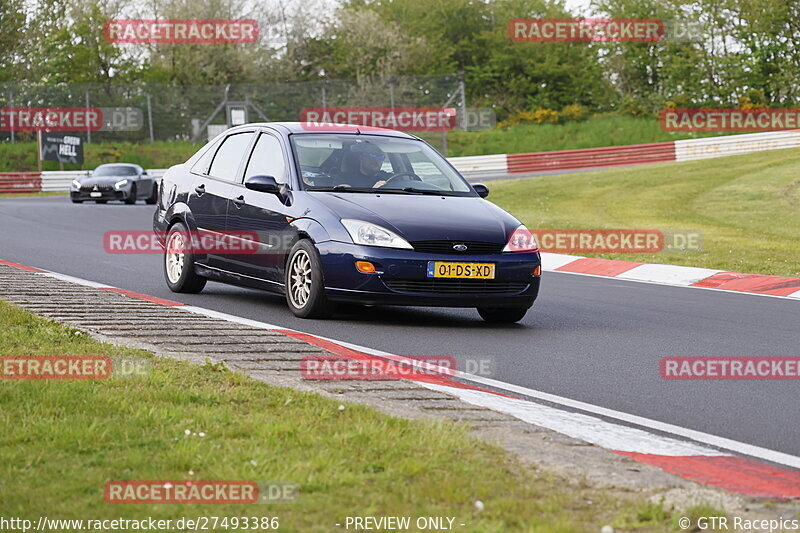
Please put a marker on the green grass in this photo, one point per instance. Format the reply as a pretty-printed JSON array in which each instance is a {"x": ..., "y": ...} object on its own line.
[
  {"x": 60, "y": 441},
  {"x": 604, "y": 130},
  {"x": 747, "y": 207}
]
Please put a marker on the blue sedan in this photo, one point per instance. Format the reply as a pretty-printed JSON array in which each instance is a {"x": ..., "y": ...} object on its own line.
[{"x": 342, "y": 214}]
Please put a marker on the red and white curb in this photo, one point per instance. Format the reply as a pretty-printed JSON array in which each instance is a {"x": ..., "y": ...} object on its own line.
[
  {"x": 708, "y": 459},
  {"x": 680, "y": 276}
]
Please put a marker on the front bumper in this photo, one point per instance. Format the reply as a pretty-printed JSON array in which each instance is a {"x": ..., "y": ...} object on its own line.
[
  {"x": 402, "y": 278},
  {"x": 105, "y": 194}
]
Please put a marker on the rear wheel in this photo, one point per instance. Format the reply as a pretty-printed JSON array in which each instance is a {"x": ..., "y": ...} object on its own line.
[
  {"x": 179, "y": 262},
  {"x": 502, "y": 315},
  {"x": 130, "y": 200},
  {"x": 153, "y": 198},
  {"x": 305, "y": 287}
]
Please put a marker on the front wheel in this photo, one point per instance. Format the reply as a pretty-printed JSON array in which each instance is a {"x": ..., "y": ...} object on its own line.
[
  {"x": 305, "y": 287},
  {"x": 179, "y": 262},
  {"x": 153, "y": 198},
  {"x": 130, "y": 200},
  {"x": 502, "y": 315}
]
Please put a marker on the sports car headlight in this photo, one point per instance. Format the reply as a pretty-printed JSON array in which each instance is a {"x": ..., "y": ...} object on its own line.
[
  {"x": 370, "y": 234},
  {"x": 521, "y": 240},
  {"x": 120, "y": 184},
  {"x": 76, "y": 184}
]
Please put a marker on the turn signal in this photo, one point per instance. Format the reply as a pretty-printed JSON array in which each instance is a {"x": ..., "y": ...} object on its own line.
[
  {"x": 538, "y": 270},
  {"x": 365, "y": 267}
]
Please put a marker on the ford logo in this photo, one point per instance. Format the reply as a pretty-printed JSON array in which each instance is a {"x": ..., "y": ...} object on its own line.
[{"x": 460, "y": 247}]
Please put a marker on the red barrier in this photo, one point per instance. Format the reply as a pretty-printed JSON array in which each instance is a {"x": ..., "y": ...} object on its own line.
[
  {"x": 612, "y": 156},
  {"x": 20, "y": 182}
]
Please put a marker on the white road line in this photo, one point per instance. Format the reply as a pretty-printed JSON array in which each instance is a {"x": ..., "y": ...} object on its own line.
[{"x": 530, "y": 412}]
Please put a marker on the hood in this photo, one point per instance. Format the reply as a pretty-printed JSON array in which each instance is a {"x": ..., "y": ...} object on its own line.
[
  {"x": 102, "y": 180},
  {"x": 425, "y": 218}
]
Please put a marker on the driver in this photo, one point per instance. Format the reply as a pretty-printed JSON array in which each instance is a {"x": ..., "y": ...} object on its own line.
[{"x": 368, "y": 159}]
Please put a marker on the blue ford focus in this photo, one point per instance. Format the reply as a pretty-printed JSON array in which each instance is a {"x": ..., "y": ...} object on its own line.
[{"x": 342, "y": 214}]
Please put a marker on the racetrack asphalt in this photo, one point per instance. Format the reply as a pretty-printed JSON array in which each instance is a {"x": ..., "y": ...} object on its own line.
[{"x": 590, "y": 339}]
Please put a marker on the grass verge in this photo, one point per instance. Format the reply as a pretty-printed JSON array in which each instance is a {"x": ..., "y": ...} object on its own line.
[
  {"x": 746, "y": 206},
  {"x": 61, "y": 440}
]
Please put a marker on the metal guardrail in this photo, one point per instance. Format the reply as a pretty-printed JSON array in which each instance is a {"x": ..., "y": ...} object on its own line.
[
  {"x": 612, "y": 156},
  {"x": 20, "y": 182},
  {"x": 692, "y": 149},
  {"x": 484, "y": 166}
]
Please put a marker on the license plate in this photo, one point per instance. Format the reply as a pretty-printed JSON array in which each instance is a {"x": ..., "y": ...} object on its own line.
[
  {"x": 437, "y": 269},
  {"x": 95, "y": 194}
]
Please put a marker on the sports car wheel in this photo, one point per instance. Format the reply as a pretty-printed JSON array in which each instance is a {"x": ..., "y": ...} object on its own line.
[
  {"x": 130, "y": 200},
  {"x": 153, "y": 198}
]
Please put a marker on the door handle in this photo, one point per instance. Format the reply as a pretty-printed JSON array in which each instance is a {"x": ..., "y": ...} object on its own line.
[
  {"x": 239, "y": 202},
  {"x": 200, "y": 190}
]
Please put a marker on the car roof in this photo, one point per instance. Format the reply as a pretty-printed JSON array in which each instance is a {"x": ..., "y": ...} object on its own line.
[
  {"x": 134, "y": 165},
  {"x": 290, "y": 128}
]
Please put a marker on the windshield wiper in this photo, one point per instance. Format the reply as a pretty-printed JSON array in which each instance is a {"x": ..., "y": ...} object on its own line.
[
  {"x": 341, "y": 188},
  {"x": 426, "y": 191}
]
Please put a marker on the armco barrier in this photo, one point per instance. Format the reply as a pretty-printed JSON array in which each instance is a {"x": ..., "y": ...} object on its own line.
[
  {"x": 612, "y": 156},
  {"x": 481, "y": 166},
  {"x": 735, "y": 144},
  {"x": 498, "y": 165},
  {"x": 20, "y": 182}
]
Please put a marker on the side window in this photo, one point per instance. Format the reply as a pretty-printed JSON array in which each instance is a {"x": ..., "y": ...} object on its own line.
[
  {"x": 267, "y": 159},
  {"x": 226, "y": 161}
]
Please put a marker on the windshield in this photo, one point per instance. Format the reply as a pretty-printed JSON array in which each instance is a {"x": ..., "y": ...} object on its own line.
[
  {"x": 114, "y": 171},
  {"x": 361, "y": 163}
]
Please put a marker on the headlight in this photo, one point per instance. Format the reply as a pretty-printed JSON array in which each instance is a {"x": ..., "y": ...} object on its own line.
[
  {"x": 521, "y": 240},
  {"x": 373, "y": 235},
  {"x": 120, "y": 184},
  {"x": 76, "y": 184}
]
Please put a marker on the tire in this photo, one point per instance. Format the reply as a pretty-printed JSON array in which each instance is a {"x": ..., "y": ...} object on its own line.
[
  {"x": 74, "y": 201},
  {"x": 502, "y": 315},
  {"x": 304, "y": 269},
  {"x": 153, "y": 198},
  {"x": 130, "y": 200},
  {"x": 179, "y": 266}
]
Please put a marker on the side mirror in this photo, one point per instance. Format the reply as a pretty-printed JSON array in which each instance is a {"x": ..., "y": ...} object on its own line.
[
  {"x": 262, "y": 184},
  {"x": 481, "y": 189},
  {"x": 144, "y": 173}
]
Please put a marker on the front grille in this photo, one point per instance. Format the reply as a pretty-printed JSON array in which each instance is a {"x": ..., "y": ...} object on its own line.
[
  {"x": 446, "y": 247},
  {"x": 457, "y": 286},
  {"x": 90, "y": 188}
]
